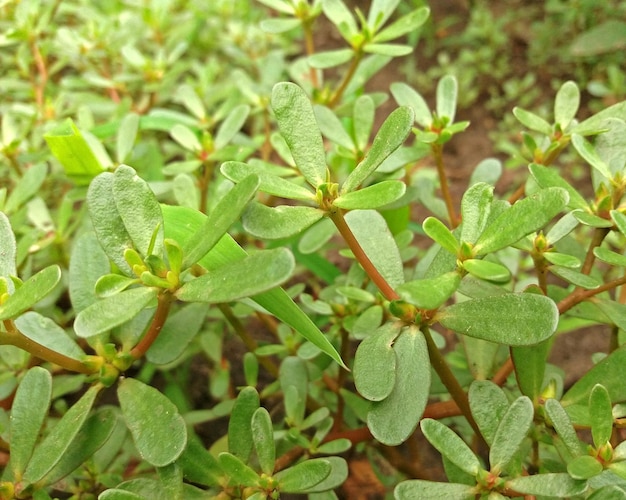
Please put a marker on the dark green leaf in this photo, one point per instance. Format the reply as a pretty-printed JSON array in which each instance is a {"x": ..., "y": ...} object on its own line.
[
  {"x": 511, "y": 319},
  {"x": 240, "y": 438},
  {"x": 303, "y": 476},
  {"x": 158, "y": 430},
  {"x": 530, "y": 366},
  {"x": 28, "y": 413},
  {"x": 374, "y": 196},
  {"x": 223, "y": 215},
  {"x": 375, "y": 363},
  {"x": 32, "y": 291},
  {"x": 521, "y": 219},
  {"x": 449, "y": 444},
  {"x": 252, "y": 275},
  {"x": 139, "y": 210},
  {"x": 263, "y": 436},
  {"x": 393, "y": 419},
  {"x": 108, "y": 313},
  {"x": 56, "y": 444},
  {"x": 512, "y": 430},
  {"x": 297, "y": 124},
  {"x": 390, "y": 137},
  {"x": 430, "y": 293},
  {"x": 199, "y": 466}
]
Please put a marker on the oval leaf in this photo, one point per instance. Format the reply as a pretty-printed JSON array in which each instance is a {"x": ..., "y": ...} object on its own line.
[
  {"x": 601, "y": 415},
  {"x": 438, "y": 232},
  {"x": 430, "y": 293},
  {"x": 511, "y": 319},
  {"x": 485, "y": 270},
  {"x": 303, "y": 476},
  {"x": 252, "y": 275},
  {"x": 417, "y": 488},
  {"x": 393, "y": 419},
  {"x": 240, "y": 439},
  {"x": 512, "y": 430},
  {"x": 263, "y": 437},
  {"x": 374, "y": 196},
  {"x": 32, "y": 291},
  {"x": 450, "y": 444},
  {"x": 158, "y": 430},
  {"x": 46, "y": 332},
  {"x": 375, "y": 363},
  {"x": 278, "y": 222}
]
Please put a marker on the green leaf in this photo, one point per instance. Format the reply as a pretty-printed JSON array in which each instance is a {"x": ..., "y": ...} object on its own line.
[
  {"x": 430, "y": 293},
  {"x": 113, "y": 311},
  {"x": 513, "y": 428},
  {"x": 240, "y": 438},
  {"x": 390, "y": 137},
  {"x": 303, "y": 476},
  {"x": 223, "y": 215},
  {"x": 406, "y": 96},
  {"x": 199, "y": 465},
  {"x": 620, "y": 220},
  {"x": 418, "y": 488},
  {"x": 488, "y": 170},
  {"x": 372, "y": 233},
  {"x": 563, "y": 260},
  {"x": 363, "y": 114},
  {"x": 488, "y": 404},
  {"x": 126, "y": 135},
  {"x": 139, "y": 210},
  {"x": 56, "y": 443},
  {"x": 406, "y": 24},
  {"x": 575, "y": 277},
  {"x": 374, "y": 196},
  {"x": 186, "y": 137},
  {"x": 530, "y": 367},
  {"x": 590, "y": 155},
  {"x": 112, "y": 284},
  {"x": 438, "y": 232},
  {"x": 337, "y": 476},
  {"x": 231, "y": 125},
  {"x": 563, "y": 427},
  {"x": 330, "y": 58},
  {"x": 252, "y": 275},
  {"x": 341, "y": 17},
  {"x": 475, "y": 210},
  {"x": 107, "y": 223},
  {"x": 553, "y": 485},
  {"x": 388, "y": 49},
  {"x": 294, "y": 381},
  {"x": 278, "y": 222},
  {"x": 240, "y": 474},
  {"x": 521, "y": 219},
  {"x": 158, "y": 430},
  {"x": 566, "y": 104},
  {"x": 447, "y": 89},
  {"x": 88, "y": 263},
  {"x": 393, "y": 419},
  {"x": 375, "y": 363},
  {"x": 596, "y": 123},
  {"x": 28, "y": 413},
  {"x": 9, "y": 249},
  {"x": 181, "y": 223},
  {"x": 601, "y": 415},
  {"x": 584, "y": 467},
  {"x": 449, "y": 444},
  {"x": 279, "y": 25},
  {"x": 486, "y": 270},
  {"x": 46, "y": 332},
  {"x": 32, "y": 291},
  {"x": 331, "y": 126},
  {"x": 530, "y": 318},
  {"x": 549, "y": 177},
  {"x": 263, "y": 436},
  {"x": 380, "y": 11},
  {"x": 92, "y": 435},
  {"x": 26, "y": 187},
  {"x": 297, "y": 124},
  {"x": 588, "y": 219},
  {"x": 68, "y": 145},
  {"x": 602, "y": 38},
  {"x": 532, "y": 121}
]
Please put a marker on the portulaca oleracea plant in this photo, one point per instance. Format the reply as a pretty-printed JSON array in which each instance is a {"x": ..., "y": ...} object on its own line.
[{"x": 217, "y": 279}]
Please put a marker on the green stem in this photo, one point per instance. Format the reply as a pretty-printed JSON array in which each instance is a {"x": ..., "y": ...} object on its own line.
[
  {"x": 309, "y": 45},
  {"x": 437, "y": 150},
  {"x": 16, "y": 338},
  {"x": 340, "y": 222},
  {"x": 449, "y": 380},
  {"x": 334, "y": 100},
  {"x": 164, "y": 301},
  {"x": 598, "y": 237}
]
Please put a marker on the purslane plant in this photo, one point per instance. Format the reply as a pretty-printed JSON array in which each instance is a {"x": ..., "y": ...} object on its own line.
[{"x": 119, "y": 297}]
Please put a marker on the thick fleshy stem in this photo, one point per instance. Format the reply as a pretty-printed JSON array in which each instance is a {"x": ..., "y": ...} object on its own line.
[
  {"x": 14, "y": 337},
  {"x": 164, "y": 300},
  {"x": 437, "y": 150}
]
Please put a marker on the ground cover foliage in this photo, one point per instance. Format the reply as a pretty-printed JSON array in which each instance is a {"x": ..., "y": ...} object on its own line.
[{"x": 231, "y": 268}]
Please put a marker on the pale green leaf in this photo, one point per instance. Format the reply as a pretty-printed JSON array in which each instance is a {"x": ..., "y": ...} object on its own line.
[
  {"x": 303, "y": 476},
  {"x": 408, "y": 23},
  {"x": 363, "y": 114},
  {"x": 374, "y": 196},
  {"x": 475, "y": 210},
  {"x": 600, "y": 415},
  {"x": 549, "y": 177},
  {"x": 450, "y": 444},
  {"x": 447, "y": 89},
  {"x": 231, "y": 125},
  {"x": 590, "y": 155},
  {"x": 406, "y": 96},
  {"x": 532, "y": 121},
  {"x": 563, "y": 427},
  {"x": 8, "y": 249},
  {"x": 332, "y": 128},
  {"x": 513, "y": 428},
  {"x": 418, "y": 488},
  {"x": 126, "y": 135},
  {"x": 330, "y": 58},
  {"x": 263, "y": 437},
  {"x": 278, "y": 222},
  {"x": 566, "y": 104},
  {"x": 488, "y": 403},
  {"x": 46, "y": 332},
  {"x": 553, "y": 485},
  {"x": 32, "y": 291},
  {"x": 430, "y": 293},
  {"x": 439, "y": 233}
]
